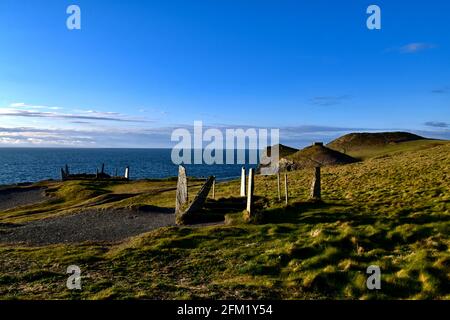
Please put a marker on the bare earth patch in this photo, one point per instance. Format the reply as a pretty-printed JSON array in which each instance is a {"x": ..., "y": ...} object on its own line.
[
  {"x": 89, "y": 225},
  {"x": 17, "y": 197}
]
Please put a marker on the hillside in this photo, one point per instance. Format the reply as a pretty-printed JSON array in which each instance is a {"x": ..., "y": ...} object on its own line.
[
  {"x": 315, "y": 155},
  {"x": 393, "y": 212},
  {"x": 283, "y": 150},
  {"x": 364, "y": 145},
  {"x": 354, "y": 141}
]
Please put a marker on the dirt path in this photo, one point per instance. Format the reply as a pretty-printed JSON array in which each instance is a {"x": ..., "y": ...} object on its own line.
[
  {"x": 16, "y": 197},
  {"x": 90, "y": 225}
]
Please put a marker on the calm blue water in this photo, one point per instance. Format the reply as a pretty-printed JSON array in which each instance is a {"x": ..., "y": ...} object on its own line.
[{"x": 31, "y": 165}]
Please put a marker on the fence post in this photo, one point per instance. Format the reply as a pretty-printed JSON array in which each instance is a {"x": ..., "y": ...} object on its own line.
[
  {"x": 279, "y": 186},
  {"x": 243, "y": 182},
  {"x": 250, "y": 190},
  {"x": 315, "y": 187},
  {"x": 286, "y": 190}
]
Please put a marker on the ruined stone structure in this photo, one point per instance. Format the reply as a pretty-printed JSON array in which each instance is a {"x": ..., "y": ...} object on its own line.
[{"x": 99, "y": 175}]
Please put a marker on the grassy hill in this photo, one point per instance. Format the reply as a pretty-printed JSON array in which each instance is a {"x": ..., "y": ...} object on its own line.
[
  {"x": 315, "y": 155},
  {"x": 392, "y": 211},
  {"x": 283, "y": 150},
  {"x": 367, "y": 145},
  {"x": 355, "y": 141}
]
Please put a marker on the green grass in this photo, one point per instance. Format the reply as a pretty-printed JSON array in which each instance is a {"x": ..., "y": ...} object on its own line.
[
  {"x": 391, "y": 210},
  {"x": 384, "y": 150}
]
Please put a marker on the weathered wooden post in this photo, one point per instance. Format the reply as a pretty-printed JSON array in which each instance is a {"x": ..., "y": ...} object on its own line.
[
  {"x": 103, "y": 168},
  {"x": 67, "y": 170},
  {"x": 315, "y": 187},
  {"x": 214, "y": 189},
  {"x": 250, "y": 190},
  {"x": 63, "y": 174},
  {"x": 243, "y": 182},
  {"x": 279, "y": 186},
  {"x": 127, "y": 173},
  {"x": 182, "y": 190},
  {"x": 286, "y": 188}
]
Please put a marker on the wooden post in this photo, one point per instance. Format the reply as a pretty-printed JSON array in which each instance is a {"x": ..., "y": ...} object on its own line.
[
  {"x": 279, "y": 186},
  {"x": 286, "y": 188},
  {"x": 214, "y": 189},
  {"x": 67, "y": 170},
  {"x": 103, "y": 168},
  {"x": 250, "y": 190},
  {"x": 243, "y": 182},
  {"x": 127, "y": 173},
  {"x": 315, "y": 186}
]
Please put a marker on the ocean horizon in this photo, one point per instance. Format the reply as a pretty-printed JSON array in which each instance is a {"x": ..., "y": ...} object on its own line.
[{"x": 23, "y": 165}]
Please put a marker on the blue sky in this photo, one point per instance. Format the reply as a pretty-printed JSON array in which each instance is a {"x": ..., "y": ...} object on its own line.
[{"x": 136, "y": 70}]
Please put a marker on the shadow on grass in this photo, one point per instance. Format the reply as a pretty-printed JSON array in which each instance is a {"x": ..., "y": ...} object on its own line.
[
  {"x": 309, "y": 212},
  {"x": 215, "y": 210},
  {"x": 327, "y": 212},
  {"x": 150, "y": 208}
]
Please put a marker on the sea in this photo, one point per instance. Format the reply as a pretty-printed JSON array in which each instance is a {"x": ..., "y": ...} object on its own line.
[{"x": 22, "y": 165}]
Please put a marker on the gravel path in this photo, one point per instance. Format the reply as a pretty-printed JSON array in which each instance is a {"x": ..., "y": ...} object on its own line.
[
  {"x": 90, "y": 225},
  {"x": 16, "y": 197}
]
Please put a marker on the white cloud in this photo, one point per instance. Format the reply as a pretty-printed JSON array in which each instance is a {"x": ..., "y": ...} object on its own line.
[
  {"x": 103, "y": 113},
  {"x": 21, "y": 105},
  {"x": 159, "y": 137},
  {"x": 413, "y": 47},
  {"x": 27, "y": 111},
  {"x": 35, "y": 137}
]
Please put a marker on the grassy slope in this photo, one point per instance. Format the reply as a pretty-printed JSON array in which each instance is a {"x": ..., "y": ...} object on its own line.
[
  {"x": 319, "y": 155},
  {"x": 391, "y": 211},
  {"x": 358, "y": 140},
  {"x": 371, "y": 151},
  {"x": 72, "y": 196}
]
